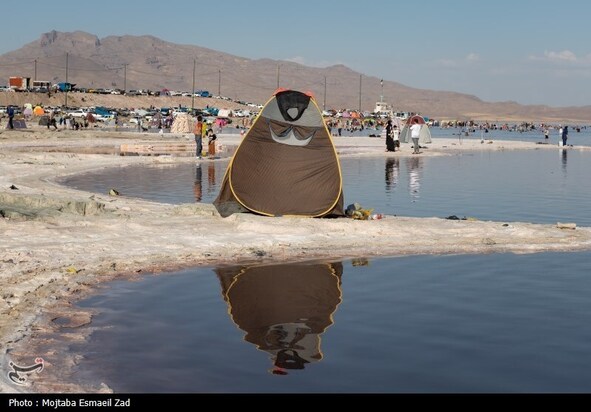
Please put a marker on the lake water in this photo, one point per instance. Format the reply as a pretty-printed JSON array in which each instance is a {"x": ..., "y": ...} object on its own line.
[
  {"x": 481, "y": 323},
  {"x": 541, "y": 186},
  {"x": 469, "y": 323}
]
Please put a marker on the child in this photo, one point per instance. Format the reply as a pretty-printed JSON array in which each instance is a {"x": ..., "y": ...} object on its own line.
[{"x": 211, "y": 138}]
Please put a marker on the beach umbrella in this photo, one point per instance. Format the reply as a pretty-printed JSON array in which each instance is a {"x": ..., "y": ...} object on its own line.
[
  {"x": 28, "y": 111},
  {"x": 38, "y": 111}
]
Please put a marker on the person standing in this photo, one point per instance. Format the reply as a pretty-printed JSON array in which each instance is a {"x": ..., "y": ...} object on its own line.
[
  {"x": 415, "y": 132},
  {"x": 198, "y": 132},
  {"x": 396, "y": 137},
  {"x": 564, "y": 135},
  {"x": 389, "y": 138},
  {"x": 211, "y": 141},
  {"x": 51, "y": 121},
  {"x": 10, "y": 113},
  {"x": 546, "y": 133}
]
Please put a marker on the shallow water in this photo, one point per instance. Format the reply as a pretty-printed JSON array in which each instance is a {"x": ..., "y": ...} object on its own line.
[
  {"x": 475, "y": 323},
  {"x": 482, "y": 323},
  {"x": 541, "y": 186}
]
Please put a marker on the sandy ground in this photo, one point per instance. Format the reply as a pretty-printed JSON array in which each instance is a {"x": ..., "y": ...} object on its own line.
[{"x": 57, "y": 244}]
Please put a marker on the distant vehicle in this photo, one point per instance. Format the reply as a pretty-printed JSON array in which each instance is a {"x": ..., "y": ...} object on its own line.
[
  {"x": 102, "y": 113},
  {"x": 64, "y": 86},
  {"x": 211, "y": 111},
  {"x": 78, "y": 113},
  {"x": 19, "y": 84},
  {"x": 41, "y": 84}
]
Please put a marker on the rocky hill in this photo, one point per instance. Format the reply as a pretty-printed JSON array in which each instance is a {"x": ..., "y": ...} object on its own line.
[{"x": 145, "y": 62}]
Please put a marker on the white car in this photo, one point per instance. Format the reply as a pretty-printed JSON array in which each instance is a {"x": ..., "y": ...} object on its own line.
[{"x": 78, "y": 113}]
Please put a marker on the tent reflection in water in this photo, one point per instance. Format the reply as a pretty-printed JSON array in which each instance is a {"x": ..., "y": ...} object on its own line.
[
  {"x": 284, "y": 309},
  {"x": 285, "y": 165}
]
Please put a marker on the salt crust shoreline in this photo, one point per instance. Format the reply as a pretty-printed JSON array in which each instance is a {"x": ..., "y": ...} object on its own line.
[{"x": 53, "y": 259}]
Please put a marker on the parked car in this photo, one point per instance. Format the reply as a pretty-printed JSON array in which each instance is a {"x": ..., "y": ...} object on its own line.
[{"x": 78, "y": 113}]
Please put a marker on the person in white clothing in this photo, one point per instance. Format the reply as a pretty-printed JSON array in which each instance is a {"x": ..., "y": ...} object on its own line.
[{"x": 415, "y": 132}]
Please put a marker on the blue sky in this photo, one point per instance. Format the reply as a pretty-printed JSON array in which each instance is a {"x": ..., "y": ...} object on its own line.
[{"x": 528, "y": 51}]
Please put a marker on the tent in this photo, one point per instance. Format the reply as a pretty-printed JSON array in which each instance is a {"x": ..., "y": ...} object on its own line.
[
  {"x": 425, "y": 134},
  {"x": 183, "y": 123},
  {"x": 284, "y": 309},
  {"x": 38, "y": 111},
  {"x": 286, "y": 164}
]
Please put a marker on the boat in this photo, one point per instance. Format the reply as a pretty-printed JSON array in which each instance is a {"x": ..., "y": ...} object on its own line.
[{"x": 385, "y": 110}]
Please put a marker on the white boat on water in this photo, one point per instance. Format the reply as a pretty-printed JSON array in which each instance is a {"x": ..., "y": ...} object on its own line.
[{"x": 385, "y": 110}]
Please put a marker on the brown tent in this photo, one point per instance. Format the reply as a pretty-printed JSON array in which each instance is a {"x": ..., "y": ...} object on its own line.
[
  {"x": 284, "y": 309},
  {"x": 286, "y": 163}
]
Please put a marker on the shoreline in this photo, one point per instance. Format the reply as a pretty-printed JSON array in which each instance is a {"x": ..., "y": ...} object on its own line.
[{"x": 75, "y": 241}]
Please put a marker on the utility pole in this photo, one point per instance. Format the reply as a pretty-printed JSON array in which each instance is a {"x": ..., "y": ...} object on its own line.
[
  {"x": 360, "y": 81},
  {"x": 193, "y": 93},
  {"x": 324, "y": 103},
  {"x": 66, "y": 86},
  {"x": 125, "y": 78}
]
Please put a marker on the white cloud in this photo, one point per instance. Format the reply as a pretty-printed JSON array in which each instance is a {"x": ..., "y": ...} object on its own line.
[
  {"x": 472, "y": 57},
  {"x": 565, "y": 55}
]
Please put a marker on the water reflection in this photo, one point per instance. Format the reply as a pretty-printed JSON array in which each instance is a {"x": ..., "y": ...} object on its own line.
[
  {"x": 197, "y": 187},
  {"x": 199, "y": 183},
  {"x": 414, "y": 166},
  {"x": 284, "y": 309},
  {"x": 211, "y": 183},
  {"x": 564, "y": 159},
  {"x": 392, "y": 172}
]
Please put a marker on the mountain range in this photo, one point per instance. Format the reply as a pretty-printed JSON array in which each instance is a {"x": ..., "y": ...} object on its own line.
[{"x": 146, "y": 62}]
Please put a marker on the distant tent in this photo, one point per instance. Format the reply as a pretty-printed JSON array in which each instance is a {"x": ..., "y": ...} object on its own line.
[
  {"x": 18, "y": 124},
  {"x": 286, "y": 164},
  {"x": 224, "y": 113},
  {"x": 183, "y": 123},
  {"x": 424, "y": 137}
]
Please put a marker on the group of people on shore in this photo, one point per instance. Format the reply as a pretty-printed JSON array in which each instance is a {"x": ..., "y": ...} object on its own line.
[
  {"x": 393, "y": 137},
  {"x": 200, "y": 129},
  {"x": 562, "y": 134}
]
